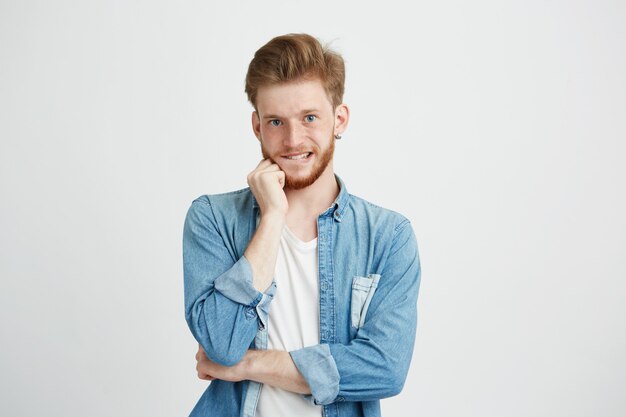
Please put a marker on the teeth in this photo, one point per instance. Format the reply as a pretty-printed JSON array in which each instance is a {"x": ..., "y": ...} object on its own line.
[{"x": 301, "y": 156}]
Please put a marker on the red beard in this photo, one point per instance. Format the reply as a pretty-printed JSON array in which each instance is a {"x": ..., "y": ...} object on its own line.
[{"x": 322, "y": 159}]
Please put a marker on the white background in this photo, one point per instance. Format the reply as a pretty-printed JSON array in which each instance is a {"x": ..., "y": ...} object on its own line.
[{"x": 497, "y": 127}]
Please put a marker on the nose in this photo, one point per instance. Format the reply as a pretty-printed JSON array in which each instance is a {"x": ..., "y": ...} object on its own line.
[{"x": 294, "y": 135}]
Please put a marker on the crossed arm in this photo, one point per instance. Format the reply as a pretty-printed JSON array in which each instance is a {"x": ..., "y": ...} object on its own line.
[
  {"x": 224, "y": 309},
  {"x": 272, "y": 367}
]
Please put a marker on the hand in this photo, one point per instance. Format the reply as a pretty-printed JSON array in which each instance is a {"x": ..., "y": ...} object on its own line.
[
  {"x": 267, "y": 182},
  {"x": 201, "y": 357},
  {"x": 209, "y": 370}
]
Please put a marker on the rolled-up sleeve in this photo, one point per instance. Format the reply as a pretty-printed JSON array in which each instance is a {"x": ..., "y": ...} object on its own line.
[
  {"x": 237, "y": 286},
  {"x": 222, "y": 308},
  {"x": 319, "y": 369}
]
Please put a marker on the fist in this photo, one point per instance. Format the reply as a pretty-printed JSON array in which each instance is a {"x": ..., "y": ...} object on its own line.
[
  {"x": 267, "y": 182},
  {"x": 200, "y": 359},
  {"x": 209, "y": 370}
]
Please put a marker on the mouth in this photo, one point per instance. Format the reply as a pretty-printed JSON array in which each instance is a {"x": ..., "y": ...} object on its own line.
[{"x": 298, "y": 157}]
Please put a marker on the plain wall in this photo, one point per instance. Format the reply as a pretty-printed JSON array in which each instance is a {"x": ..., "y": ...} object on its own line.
[{"x": 497, "y": 127}]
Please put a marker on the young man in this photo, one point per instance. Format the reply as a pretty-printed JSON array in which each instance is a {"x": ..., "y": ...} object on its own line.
[{"x": 301, "y": 296}]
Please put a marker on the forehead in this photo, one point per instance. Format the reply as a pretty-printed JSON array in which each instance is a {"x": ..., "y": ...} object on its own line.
[{"x": 292, "y": 97}]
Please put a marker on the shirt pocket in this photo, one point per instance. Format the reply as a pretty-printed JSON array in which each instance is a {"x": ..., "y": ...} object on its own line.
[{"x": 362, "y": 292}]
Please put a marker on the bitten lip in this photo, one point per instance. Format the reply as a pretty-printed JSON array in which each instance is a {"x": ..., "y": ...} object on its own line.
[
  {"x": 295, "y": 154},
  {"x": 304, "y": 156}
]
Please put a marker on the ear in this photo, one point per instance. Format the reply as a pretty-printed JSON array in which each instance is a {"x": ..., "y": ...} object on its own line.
[
  {"x": 342, "y": 117},
  {"x": 256, "y": 125}
]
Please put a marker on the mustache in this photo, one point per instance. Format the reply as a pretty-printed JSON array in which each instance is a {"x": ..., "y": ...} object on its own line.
[{"x": 295, "y": 150}]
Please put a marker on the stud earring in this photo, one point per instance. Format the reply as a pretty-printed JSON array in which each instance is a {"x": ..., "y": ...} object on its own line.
[{"x": 337, "y": 136}]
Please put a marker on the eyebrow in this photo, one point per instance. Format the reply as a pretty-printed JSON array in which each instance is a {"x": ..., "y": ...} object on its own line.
[{"x": 303, "y": 112}]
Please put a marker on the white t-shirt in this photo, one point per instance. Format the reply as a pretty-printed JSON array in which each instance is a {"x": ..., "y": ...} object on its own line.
[{"x": 293, "y": 320}]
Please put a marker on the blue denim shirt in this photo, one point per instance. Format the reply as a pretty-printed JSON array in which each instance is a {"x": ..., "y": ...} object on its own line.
[{"x": 369, "y": 276}]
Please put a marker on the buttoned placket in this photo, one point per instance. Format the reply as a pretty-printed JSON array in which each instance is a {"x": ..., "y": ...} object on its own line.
[
  {"x": 326, "y": 223},
  {"x": 326, "y": 231}
]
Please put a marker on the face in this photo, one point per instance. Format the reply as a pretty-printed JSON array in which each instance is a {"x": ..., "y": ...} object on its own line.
[{"x": 296, "y": 123}]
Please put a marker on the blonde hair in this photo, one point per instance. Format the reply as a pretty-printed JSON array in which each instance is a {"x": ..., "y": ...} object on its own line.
[{"x": 296, "y": 56}]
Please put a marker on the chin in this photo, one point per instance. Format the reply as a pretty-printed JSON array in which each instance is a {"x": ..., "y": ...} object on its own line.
[{"x": 293, "y": 182}]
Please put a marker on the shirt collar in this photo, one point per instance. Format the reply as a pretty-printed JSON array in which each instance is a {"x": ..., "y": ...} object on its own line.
[{"x": 341, "y": 202}]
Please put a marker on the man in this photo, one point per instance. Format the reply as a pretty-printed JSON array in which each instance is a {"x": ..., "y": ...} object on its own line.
[{"x": 301, "y": 296}]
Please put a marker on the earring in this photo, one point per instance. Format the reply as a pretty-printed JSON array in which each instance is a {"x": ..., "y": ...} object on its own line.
[{"x": 337, "y": 136}]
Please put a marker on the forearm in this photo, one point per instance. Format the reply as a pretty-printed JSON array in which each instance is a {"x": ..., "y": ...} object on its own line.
[
  {"x": 275, "y": 368},
  {"x": 222, "y": 307},
  {"x": 262, "y": 250}
]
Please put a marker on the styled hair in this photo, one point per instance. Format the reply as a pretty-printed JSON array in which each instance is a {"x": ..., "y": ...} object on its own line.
[{"x": 296, "y": 56}]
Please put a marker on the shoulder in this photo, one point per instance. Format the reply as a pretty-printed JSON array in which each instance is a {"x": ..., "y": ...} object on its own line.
[
  {"x": 364, "y": 211},
  {"x": 378, "y": 233},
  {"x": 215, "y": 207},
  {"x": 233, "y": 200}
]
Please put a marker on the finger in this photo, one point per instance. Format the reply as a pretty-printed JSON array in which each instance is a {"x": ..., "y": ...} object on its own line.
[
  {"x": 264, "y": 163},
  {"x": 206, "y": 367},
  {"x": 271, "y": 164},
  {"x": 271, "y": 168},
  {"x": 206, "y": 377},
  {"x": 275, "y": 173},
  {"x": 265, "y": 166}
]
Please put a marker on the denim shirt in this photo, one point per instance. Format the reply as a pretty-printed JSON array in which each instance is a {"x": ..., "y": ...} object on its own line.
[{"x": 369, "y": 276}]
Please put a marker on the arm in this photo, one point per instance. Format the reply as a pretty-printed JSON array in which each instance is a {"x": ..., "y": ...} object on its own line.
[
  {"x": 224, "y": 305},
  {"x": 262, "y": 250},
  {"x": 223, "y": 309},
  {"x": 375, "y": 363},
  {"x": 272, "y": 367},
  {"x": 267, "y": 182},
  {"x": 372, "y": 366}
]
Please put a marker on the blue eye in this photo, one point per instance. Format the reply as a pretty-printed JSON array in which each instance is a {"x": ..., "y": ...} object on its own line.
[
  {"x": 275, "y": 122},
  {"x": 310, "y": 118}
]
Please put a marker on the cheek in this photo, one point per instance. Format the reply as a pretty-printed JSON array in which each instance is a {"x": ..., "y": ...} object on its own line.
[
  {"x": 268, "y": 139},
  {"x": 321, "y": 135}
]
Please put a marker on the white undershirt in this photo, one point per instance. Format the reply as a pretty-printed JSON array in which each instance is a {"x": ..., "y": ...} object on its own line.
[{"x": 293, "y": 320}]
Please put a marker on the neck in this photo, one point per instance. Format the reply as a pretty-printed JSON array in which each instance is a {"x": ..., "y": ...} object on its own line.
[{"x": 316, "y": 198}]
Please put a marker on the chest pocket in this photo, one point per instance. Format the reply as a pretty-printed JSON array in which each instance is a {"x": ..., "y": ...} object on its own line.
[{"x": 362, "y": 292}]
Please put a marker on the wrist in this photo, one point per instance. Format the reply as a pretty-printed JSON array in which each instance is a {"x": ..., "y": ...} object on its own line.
[
  {"x": 247, "y": 365},
  {"x": 273, "y": 217}
]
